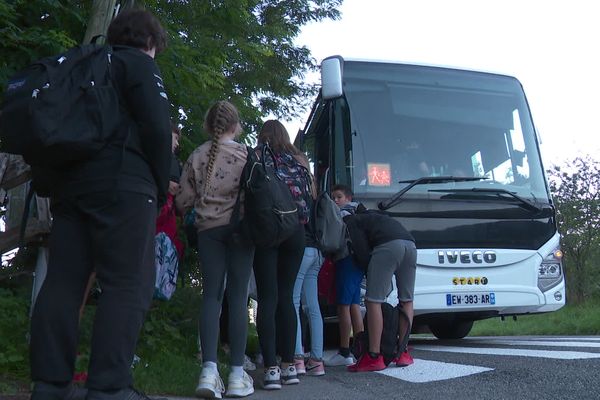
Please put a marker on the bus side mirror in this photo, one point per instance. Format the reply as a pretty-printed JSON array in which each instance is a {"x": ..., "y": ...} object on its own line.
[{"x": 331, "y": 78}]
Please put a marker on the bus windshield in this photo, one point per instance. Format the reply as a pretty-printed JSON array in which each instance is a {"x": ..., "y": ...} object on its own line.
[{"x": 410, "y": 122}]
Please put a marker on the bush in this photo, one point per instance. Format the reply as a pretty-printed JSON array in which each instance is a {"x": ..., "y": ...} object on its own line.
[{"x": 14, "y": 325}]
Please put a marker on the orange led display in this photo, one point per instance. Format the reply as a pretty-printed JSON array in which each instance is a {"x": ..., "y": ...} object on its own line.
[{"x": 379, "y": 174}]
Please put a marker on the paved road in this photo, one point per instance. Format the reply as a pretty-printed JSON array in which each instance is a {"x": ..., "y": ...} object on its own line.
[{"x": 473, "y": 368}]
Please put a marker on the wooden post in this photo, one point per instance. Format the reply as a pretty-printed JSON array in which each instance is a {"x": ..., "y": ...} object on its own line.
[{"x": 102, "y": 14}]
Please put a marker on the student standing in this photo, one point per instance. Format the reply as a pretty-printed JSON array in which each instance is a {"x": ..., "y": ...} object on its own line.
[
  {"x": 306, "y": 299},
  {"x": 348, "y": 278},
  {"x": 167, "y": 218},
  {"x": 276, "y": 268},
  {"x": 210, "y": 184},
  {"x": 104, "y": 220}
]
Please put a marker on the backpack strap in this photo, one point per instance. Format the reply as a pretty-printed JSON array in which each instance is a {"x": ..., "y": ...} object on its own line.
[
  {"x": 267, "y": 150},
  {"x": 235, "y": 215}
]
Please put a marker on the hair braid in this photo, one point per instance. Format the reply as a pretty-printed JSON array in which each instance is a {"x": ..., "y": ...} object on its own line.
[{"x": 219, "y": 119}]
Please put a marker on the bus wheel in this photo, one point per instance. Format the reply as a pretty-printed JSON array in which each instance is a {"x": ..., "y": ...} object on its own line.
[{"x": 453, "y": 329}]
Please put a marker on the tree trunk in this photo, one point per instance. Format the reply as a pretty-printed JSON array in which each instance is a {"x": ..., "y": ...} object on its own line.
[{"x": 102, "y": 14}]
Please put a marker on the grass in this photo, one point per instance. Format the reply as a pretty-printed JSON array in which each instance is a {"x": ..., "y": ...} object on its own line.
[
  {"x": 582, "y": 319},
  {"x": 176, "y": 373}
]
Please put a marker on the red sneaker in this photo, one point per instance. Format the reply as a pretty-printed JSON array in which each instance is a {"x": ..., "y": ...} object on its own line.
[
  {"x": 404, "y": 360},
  {"x": 80, "y": 377},
  {"x": 367, "y": 363}
]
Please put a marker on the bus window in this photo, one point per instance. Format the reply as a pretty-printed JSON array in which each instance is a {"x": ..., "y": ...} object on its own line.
[{"x": 315, "y": 145}]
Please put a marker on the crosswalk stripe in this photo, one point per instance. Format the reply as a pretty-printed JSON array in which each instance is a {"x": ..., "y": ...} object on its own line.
[
  {"x": 562, "y": 355},
  {"x": 580, "y": 338},
  {"x": 534, "y": 339},
  {"x": 541, "y": 343},
  {"x": 428, "y": 371}
]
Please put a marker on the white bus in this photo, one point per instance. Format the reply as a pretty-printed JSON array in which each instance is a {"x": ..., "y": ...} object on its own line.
[{"x": 453, "y": 154}]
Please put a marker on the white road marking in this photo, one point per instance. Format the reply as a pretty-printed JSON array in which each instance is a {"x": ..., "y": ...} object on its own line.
[
  {"x": 533, "y": 339},
  {"x": 562, "y": 355},
  {"x": 580, "y": 338},
  {"x": 541, "y": 343},
  {"x": 428, "y": 371}
]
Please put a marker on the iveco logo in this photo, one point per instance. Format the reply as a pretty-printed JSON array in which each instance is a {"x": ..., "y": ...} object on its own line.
[{"x": 467, "y": 257}]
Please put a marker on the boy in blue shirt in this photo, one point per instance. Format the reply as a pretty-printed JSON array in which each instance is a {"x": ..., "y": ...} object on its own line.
[{"x": 348, "y": 278}]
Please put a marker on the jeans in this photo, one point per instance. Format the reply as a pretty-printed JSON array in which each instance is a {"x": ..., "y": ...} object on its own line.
[{"x": 306, "y": 287}]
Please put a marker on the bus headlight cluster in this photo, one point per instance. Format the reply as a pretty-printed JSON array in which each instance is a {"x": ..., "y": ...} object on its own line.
[{"x": 550, "y": 271}]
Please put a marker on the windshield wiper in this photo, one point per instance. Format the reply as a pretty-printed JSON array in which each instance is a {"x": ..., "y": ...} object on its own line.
[
  {"x": 528, "y": 205},
  {"x": 397, "y": 198}
]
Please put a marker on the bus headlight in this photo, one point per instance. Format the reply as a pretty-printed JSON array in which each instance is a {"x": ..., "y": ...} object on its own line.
[{"x": 550, "y": 271}]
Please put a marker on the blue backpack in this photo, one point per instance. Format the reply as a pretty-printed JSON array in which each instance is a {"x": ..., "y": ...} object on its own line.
[{"x": 167, "y": 266}]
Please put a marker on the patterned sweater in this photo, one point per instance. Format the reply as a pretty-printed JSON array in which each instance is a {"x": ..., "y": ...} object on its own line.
[{"x": 214, "y": 205}]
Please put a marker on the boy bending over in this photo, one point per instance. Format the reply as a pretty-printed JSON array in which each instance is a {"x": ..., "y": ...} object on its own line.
[{"x": 384, "y": 248}]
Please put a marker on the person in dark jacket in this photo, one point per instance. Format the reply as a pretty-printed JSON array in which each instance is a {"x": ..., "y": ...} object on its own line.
[
  {"x": 384, "y": 248},
  {"x": 104, "y": 220},
  {"x": 167, "y": 217}
]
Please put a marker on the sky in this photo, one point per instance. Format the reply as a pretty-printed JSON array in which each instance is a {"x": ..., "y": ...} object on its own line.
[{"x": 550, "y": 46}]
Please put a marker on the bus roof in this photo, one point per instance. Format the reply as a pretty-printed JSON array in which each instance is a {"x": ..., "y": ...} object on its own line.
[{"x": 420, "y": 64}]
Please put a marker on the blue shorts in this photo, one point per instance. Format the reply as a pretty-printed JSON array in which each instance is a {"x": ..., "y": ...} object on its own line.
[{"x": 348, "y": 278}]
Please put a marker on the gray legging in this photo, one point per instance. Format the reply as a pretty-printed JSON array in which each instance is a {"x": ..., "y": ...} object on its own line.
[{"x": 224, "y": 259}]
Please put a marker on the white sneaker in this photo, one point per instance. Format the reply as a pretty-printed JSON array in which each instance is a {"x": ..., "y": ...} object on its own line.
[
  {"x": 272, "y": 380},
  {"x": 338, "y": 360},
  {"x": 210, "y": 385},
  {"x": 289, "y": 376},
  {"x": 239, "y": 386}
]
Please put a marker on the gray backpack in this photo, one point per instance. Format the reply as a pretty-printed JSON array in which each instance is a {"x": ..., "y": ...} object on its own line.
[{"x": 330, "y": 229}]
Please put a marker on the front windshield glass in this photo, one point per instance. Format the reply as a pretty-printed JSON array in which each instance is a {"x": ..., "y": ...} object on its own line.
[{"x": 412, "y": 121}]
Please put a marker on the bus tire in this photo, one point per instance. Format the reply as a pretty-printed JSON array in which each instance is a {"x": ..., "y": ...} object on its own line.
[{"x": 453, "y": 329}]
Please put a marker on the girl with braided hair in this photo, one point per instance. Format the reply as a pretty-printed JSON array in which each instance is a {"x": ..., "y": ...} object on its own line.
[{"x": 210, "y": 183}]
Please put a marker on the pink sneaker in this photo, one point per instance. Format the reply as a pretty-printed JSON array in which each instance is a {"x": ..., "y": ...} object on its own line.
[
  {"x": 315, "y": 368},
  {"x": 404, "y": 360},
  {"x": 299, "y": 364}
]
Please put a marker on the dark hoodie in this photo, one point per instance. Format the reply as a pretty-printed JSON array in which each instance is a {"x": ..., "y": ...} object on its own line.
[
  {"x": 138, "y": 156},
  {"x": 370, "y": 229}
]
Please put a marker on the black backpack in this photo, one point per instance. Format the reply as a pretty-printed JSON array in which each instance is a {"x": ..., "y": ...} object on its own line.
[
  {"x": 270, "y": 213},
  {"x": 391, "y": 344},
  {"x": 60, "y": 109}
]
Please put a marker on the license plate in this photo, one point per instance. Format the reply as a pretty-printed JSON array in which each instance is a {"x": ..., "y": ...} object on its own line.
[{"x": 469, "y": 299}]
